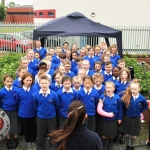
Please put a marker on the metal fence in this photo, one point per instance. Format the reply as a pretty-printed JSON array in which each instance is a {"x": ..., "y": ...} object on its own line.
[{"x": 19, "y": 37}]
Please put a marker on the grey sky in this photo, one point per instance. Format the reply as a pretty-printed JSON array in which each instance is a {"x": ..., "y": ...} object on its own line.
[{"x": 21, "y": 2}]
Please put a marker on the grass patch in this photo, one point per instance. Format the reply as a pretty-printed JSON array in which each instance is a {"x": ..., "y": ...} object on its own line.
[{"x": 15, "y": 29}]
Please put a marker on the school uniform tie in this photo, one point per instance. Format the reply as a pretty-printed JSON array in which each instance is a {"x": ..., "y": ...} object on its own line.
[
  {"x": 67, "y": 73},
  {"x": 9, "y": 90},
  {"x": 58, "y": 86},
  {"x": 87, "y": 92},
  {"x": 123, "y": 83},
  {"x": 27, "y": 90},
  {"x": 44, "y": 94}
]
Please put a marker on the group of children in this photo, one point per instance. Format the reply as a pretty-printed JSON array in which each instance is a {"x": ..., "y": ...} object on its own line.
[{"x": 48, "y": 81}]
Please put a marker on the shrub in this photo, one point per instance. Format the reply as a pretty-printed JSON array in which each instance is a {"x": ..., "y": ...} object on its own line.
[
  {"x": 8, "y": 65},
  {"x": 141, "y": 72}
]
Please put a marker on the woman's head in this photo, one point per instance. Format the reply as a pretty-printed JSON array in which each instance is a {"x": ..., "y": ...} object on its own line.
[
  {"x": 27, "y": 80},
  {"x": 76, "y": 116}
]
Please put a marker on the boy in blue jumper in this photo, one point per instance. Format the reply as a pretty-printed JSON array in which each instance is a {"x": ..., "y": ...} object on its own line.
[
  {"x": 89, "y": 96},
  {"x": 91, "y": 58},
  {"x": 40, "y": 49},
  {"x": 98, "y": 67},
  {"x": 56, "y": 59},
  {"x": 114, "y": 55},
  {"x": 65, "y": 47},
  {"x": 108, "y": 71},
  {"x": 33, "y": 62},
  {"x": 68, "y": 72},
  {"x": 9, "y": 105},
  {"x": 108, "y": 126},
  {"x": 46, "y": 103},
  {"x": 66, "y": 96}
]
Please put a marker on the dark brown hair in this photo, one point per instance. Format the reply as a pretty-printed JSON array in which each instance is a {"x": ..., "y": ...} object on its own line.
[
  {"x": 62, "y": 56},
  {"x": 89, "y": 78},
  {"x": 27, "y": 74},
  {"x": 55, "y": 73},
  {"x": 77, "y": 113},
  {"x": 65, "y": 78},
  {"x": 8, "y": 76}
]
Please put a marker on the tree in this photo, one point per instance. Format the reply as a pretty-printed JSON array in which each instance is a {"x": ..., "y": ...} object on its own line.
[
  {"x": 2, "y": 12},
  {"x": 12, "y": 5}
]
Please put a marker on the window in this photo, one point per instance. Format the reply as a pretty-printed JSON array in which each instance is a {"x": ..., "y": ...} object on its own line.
[
  {"x": 50, "y": 13},
  {"x": 40, "y": 13}
]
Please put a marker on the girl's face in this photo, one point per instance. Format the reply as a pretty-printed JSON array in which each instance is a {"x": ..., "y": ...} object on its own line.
[
  {"x": 38, "y": 44},
  {"x": 124, "y": 76},
  {"x": 77, "y": 84},
  {"x": 116, "y": 72},
  {"x": 82, "y": 53},
  {"x": 30, "y": 55},
  {"x": 51, "y": 51},
  {"x": 49, "y": 58},
  {"x": 85, "y": 65},
  {"x": 44, "y": 84},
  {"x": 106, "y": 59},
  {"x": 27, "y": 81},
  {"x": 22, "y": 72},
  {"x": 62, "y": 69},
  {"x": 91, "y": 52},
  {"x": 103, "y": 47},
  {"x": 8, "y": 82},
  {"x": 98, "y": 81},
  {"x": 67, "y": 85},
  {"x": 97, "y": 50},
  {"x": 79, "y": 63},
  {"x": 135, "y": 89},
  {"x": 109, "y": 89},
  {"x": 74, "y": 56},
  {"x": 114, "y": 50},
  {"x": 58, "y": 52},
  {"x": 24, "y": 63},
  {"x": 98, "y": 67},
  {"x": 36, "y": 55},
  {"x": 58, "y": 78},
  {"x": 88, "y": 84},
  {"x": 68, "y": 54},
  {"x": 81, "y": 74}
]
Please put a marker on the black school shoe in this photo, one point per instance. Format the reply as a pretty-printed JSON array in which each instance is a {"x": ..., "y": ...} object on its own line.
[
  {"x": 132, "y": 148},
  {"x": 128, "y": 147},
  {"x": 15, "y": 145},
  {"x": 9, "y": 145},
  {"x": 116, "y": 139},
  {"x": 122, "y": 139}
]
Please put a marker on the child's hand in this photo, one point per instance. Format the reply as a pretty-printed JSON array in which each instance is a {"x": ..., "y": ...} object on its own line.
[
  {"x": 119, "y": 121},
  {"x": 112, "y": 115},
  {"x": 100, "y": 101}
]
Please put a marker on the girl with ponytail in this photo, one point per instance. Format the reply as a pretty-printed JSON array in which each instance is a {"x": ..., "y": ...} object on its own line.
[
  {"x": 75, "y": 135},
  {"x": 135, "y": 104}
]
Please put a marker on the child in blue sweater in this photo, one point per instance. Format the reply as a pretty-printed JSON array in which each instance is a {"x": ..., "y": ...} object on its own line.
[
  {"x": 73, "y": 60},
  {"x": 46, "y": 103},
  {"x": 66, "y": 96},
  {"x": 9, "y": 105},
  {"x": 27, "y": 112},
  {"x": 98, "y": 67},
  {"x": 20, "y": 72},
  {"x": 89, "y": 96},
  {"x": 108, "y": 126},
  {"x": 68, "y": 72},
  {"x": 114, "y": 51},
  {"x": 77, "y": 83},
  {"x": 135, "y": 104},
  {"x": 98, "y": 86},
  {"x": 57, "y": 76},
  {"x": 40, "y": 49}
]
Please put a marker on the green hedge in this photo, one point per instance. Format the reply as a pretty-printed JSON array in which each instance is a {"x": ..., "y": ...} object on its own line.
[{"x": 8, "y": 65}]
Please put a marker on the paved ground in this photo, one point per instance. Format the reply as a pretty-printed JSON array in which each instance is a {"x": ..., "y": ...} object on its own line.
[{"x": 140, "y": 145}]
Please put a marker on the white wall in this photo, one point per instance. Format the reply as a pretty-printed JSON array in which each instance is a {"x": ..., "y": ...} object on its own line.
[{"x": 109, "y": 12}]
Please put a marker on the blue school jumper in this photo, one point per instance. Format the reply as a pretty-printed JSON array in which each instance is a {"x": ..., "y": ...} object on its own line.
[
  {"x": 70, "y": 74},
  {"x": 66, "y": 98},
  {"x": 113, "y": 79},
  {"x": 24, "y": 99},
  {"x": 17, "y": 82},
  {"x": 46, "y": 105},
  {"x": 55, "y": 60},
  {"x": 107, "y": 76},
  {"x": 89, "y": 73},
  {"x": 90, "y": 100},
  {"x": 33, "y": 64},
  {"x": 101, "y": 71},
  {"x": 120, "y": 88},
  {"x": 50, "y": 72},
  {"x": 42, "y": 52},
  {"x": 55, "y": 87},
  {"x": 92, "y": 61},
  {"x": 115, "y": 57},
  {"x": 73, "y": 65},
  {"x": 100, "y": 90},
  {"x": 112, "y": 104},
  {"x": 8, "y": 99},
  {"x": 137, "y": 105},
  {"x": 30, "y": 71},
  {"x": 53, "y": 66}
]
